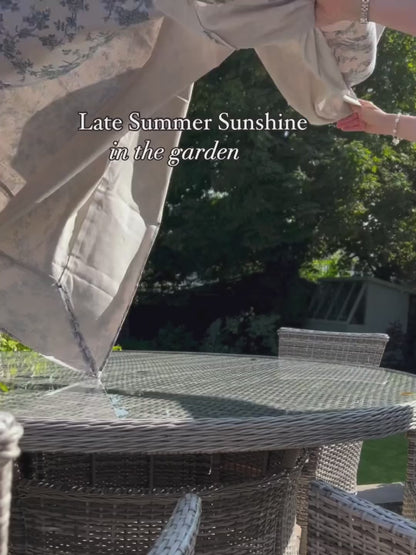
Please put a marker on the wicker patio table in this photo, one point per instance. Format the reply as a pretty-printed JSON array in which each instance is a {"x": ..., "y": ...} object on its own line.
[{"x": 105, "y": 461}]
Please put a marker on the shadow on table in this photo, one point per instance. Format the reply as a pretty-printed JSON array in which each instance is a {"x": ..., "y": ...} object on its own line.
[{"x": 200, "y": 406}]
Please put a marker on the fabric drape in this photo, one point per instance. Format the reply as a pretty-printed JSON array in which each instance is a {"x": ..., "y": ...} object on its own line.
[{"x": 76, "y": 229}]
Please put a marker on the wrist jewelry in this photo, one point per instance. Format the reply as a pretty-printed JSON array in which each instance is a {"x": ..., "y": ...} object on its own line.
[
  {"x": 365, "y": 7},
  {"x": 396, "y": 139}
]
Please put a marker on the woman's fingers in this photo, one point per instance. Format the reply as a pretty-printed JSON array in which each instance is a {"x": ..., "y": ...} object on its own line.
[
  {"x": 354, "y": 126},
  {"x": 366, "y": 117},
  {"x": 365, "y": 104},
  {"x": 352, "y": 129},
  {"x": 349, "y": 119},
  {"x": 352, "y": 122}
]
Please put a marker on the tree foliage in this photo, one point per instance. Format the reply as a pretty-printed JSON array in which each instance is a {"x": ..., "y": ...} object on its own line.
[
  {"x": 294, "y": 197},
  {"x": 238, "y": 236}
]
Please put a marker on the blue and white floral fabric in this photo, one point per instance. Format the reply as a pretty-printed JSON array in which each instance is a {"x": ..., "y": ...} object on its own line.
[
  {"x": 76, "y": 228},
  {"x": 45, "y": 40}
]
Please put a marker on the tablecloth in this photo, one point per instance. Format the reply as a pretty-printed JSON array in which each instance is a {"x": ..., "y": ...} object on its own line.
[{"x": 76, "y": 228}]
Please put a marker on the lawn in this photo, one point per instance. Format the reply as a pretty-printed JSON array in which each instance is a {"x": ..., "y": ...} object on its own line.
[{"x": 383, "y": 461}]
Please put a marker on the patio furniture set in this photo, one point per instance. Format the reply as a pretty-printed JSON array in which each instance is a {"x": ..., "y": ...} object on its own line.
[{"x": 181, "y": 453}]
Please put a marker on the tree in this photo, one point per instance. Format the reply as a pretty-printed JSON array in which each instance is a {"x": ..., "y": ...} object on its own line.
[
  {"x": 246, "y": 230},
  {"x": 291, "y": 197}
]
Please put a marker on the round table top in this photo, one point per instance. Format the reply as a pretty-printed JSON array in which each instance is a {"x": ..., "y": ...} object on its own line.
[{"x": 158, "y": 402}]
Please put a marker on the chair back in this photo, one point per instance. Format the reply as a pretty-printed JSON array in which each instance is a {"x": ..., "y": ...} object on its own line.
[
  {"x": 10, "y": 434},
  {"x": 362, "y": 349}
]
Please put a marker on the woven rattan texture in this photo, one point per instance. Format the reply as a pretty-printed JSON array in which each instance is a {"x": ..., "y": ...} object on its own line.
[
  {"x": 248, "y": 505},
  {"x": 362, "y": 349},
  {"x": 176, "y": 402},
  {"x": 149, "y": 472},
  {"x": 10, "y": 433},
  {"x": 409, "y": 495},
  {"x": 180, "y": 533},
  {"x": 336, "y": 464},
  {"x": 341, "y": 524}
]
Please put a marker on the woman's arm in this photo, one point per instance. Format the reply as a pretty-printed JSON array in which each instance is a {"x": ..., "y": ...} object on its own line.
[
  {"x": 371, "y": 119},
  {"x": 395, "y": 14},
  {"x": 399, "y": 15}
]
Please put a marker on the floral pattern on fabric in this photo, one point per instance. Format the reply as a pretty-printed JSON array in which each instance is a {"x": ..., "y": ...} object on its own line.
[
  {"x": 354, "y": 46},
  {"x": 41, "y": 40}
]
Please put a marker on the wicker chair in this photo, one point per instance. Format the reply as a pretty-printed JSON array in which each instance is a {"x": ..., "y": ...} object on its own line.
[
  {"x": 336, "y": 464},
  {"x": 179, "y": 535},
  {"x": 10, "y": 433},
  {"x": 341, "y": 523},
  {"x": 409, "y": 496}
]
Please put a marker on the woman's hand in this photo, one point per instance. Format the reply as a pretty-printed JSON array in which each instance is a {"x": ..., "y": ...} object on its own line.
[
  {"x": 328, "y": 12},
  {"x": 368, "y": 118}
]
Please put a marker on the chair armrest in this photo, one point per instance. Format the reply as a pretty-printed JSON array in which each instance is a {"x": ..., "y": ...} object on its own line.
[
  {"x": 341, "y": 523},
  {"x": 180, "y": 533},
  {"x": 10, "y": 434}
]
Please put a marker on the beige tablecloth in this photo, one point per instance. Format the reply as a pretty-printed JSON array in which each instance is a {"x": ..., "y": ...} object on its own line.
[{"x": 75, "y": 228}]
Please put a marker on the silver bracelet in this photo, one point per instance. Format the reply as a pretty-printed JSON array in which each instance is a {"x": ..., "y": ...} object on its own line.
[
  {"x": 365, "y": 7},
  {"x": 396, "y": 139}
]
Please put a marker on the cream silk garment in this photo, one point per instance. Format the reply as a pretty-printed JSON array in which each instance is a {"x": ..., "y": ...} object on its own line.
[{"x": 75, "y": 228}]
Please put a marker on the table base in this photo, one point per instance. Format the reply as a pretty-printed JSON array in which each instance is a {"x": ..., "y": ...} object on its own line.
[{"x": 119, "y": 504}]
